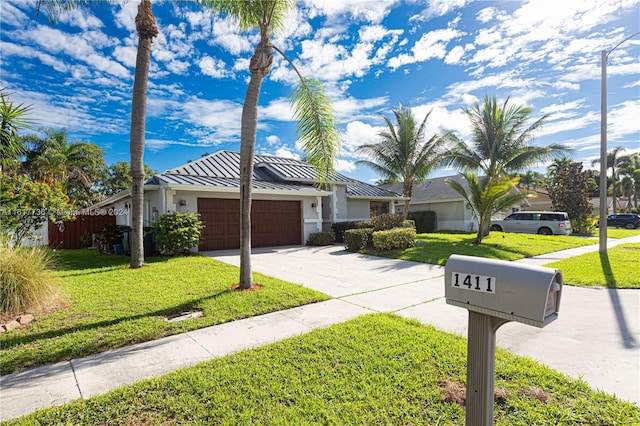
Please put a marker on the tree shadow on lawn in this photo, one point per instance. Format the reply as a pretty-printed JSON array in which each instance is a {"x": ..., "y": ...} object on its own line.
[
  {"x": 191, "y": 304},
  {"x": 627, "y": 337},
  {"x": 85, "y": 259}
]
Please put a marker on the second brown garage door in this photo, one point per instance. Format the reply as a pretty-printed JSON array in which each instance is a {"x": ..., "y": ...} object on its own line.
[{"x": 274, "y": 223}]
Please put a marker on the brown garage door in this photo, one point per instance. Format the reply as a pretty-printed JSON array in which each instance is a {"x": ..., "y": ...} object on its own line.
[{"x": 274, "y": 223}]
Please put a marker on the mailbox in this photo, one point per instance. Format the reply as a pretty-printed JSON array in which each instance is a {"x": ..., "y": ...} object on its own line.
[{"x": 512, "y": 291}]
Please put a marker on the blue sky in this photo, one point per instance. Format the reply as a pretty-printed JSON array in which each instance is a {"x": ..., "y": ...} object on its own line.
[{"x": 372, "y": 55}]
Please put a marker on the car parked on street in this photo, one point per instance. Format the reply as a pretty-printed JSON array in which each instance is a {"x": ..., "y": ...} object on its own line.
[
  {"x": 627, "y": 220},
  {"x": 544, "y": 223}
]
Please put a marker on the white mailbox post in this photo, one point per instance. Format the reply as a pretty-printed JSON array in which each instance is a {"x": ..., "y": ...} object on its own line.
[{"x": 496, "y": 292}]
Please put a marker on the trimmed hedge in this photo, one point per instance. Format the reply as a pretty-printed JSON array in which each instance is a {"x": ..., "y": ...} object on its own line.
[
  {"x": 396, "y": 238},
  {"x": 321, "y": 239},
  {"x": 357, "y": 239},
  {"x": 425, "y": 221}
]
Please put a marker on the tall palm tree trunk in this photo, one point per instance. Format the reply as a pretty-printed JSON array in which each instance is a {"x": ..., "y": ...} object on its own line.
[
  {"x": 259, "y": 67},
  {"x": 147, "y": 30}
]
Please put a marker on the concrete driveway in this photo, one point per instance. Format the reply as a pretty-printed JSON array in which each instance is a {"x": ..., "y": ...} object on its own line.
[{"x": 597, "y": 335}]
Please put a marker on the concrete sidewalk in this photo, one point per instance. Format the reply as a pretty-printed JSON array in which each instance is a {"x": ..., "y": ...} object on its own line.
[{"x": 596, "y": 337}]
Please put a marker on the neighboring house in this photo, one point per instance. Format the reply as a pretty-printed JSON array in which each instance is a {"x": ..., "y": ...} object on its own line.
[
  {"x": 287, "y": 204},
  {"x": 435, "y": 195},
  {"x": 537, "y": 200}
]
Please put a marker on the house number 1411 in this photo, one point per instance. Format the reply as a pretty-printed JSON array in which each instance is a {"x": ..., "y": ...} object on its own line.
[{"x": 474, "y": 282}]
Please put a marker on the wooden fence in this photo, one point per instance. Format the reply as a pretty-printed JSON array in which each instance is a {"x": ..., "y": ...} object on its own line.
[{"x": 67, "y": 234}]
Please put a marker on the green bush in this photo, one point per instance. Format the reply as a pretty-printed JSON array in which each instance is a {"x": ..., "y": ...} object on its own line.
[
  {"x": 408, "y": 224},
  {"x": 111, "y": 234},
  {"x": 425, "y": 221},
  {"x": 321, "y": 239},
  {"x": 584, "y": 226},
  {"x": 26, "y": 283},
  {"x": 357, "y": 239},
  {"x": 339, "y": 228},
  {"x": 396, "y": 238},
  {"x": 387, "y": 221},
  {"x": 178, "y": 232}
]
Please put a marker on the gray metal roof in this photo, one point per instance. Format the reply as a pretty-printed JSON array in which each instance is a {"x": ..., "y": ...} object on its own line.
[
  {"x": 176, "y": 179},
  {"x": 222, "y": 170},
  {"x": 435, "y": 189},
  {"x": 364, "y": 190},
  {"x": 226, "y": 164}
]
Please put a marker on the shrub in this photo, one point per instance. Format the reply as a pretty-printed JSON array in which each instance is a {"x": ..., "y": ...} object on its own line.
[
  {"x": 26, "y": 282},
  {"x": 583, "y": 226},
  {"x": 387, "y": 221},
  {"x": 397, "y": 238},
  {"x": 111, "y": 234},
  {"x": 178, "y": 232},
  {"x": 357, "y": 239},
  {"x": 425, "y": 221},
  {"x": 321, "y": 239},
  {"x": 408, "y": 224},
  {"x": 339, "y": 228}
]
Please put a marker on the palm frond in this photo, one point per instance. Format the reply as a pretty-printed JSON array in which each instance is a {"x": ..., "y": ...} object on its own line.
[
  {"x": 315, "y": 126},
  {"x": 54, "y": 8}
]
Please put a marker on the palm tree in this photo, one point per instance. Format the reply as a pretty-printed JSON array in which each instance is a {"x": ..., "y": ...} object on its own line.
[
  {"x": 500, "y": 141},
  {"x": 530, "y": 180},
  {"x": 486, "y": 197},
  {"x": 12, "y": 119},
  {"x": 403, "y": 155},
  {"x": 613, "y": 161},
  {"x": 312, "y": 110},
  {"x": 76, "y": 165},
  {"x": 630, "y": 168},
  {"x": 556, "y": 165},
  {"x": 147, "y": 30}
]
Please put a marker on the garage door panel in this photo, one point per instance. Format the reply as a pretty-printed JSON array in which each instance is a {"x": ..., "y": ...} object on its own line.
[{"x": 274, "y": 223}]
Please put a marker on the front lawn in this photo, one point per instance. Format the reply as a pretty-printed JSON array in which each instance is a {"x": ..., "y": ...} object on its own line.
[
  {"x": 110, "y": 305},
  {"x": 376, "y": 369},
  {"x": 617, "y": 269},
  {"x": 438, "y": 247}
]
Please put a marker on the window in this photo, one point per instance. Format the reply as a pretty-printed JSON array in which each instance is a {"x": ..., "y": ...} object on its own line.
[{"x": 376, "y": 208}]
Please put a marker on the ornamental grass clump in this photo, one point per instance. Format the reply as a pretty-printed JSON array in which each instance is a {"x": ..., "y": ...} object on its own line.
[{"x": 26, "y": 281}]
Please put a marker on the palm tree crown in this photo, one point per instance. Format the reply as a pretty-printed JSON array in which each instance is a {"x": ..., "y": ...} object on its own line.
[
  {"x": 402, "y": 155},
  {"x": 500, "y": 140}
]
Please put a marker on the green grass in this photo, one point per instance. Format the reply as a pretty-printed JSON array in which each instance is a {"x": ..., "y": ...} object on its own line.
[
  {"x": 376, "y": 369},
  {"x": 438, "y": 247},
  {"x": 617, "y": 269},
  {"x": 110, "y": 305},
  {"x": 615, "y": 233}
]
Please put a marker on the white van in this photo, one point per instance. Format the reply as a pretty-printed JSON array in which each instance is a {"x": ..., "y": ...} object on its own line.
[{"x": 545, "y": 223}]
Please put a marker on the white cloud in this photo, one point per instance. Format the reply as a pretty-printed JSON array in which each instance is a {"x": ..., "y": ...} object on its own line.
[
  {"x": 371, "y": 11},
  {"x": 356, "y": 134},
  {"x": 126, "y": 16},
  {"x": 213, "y": 67},
  {"x": 126, "y": 55},
  {"x": 80, "y": 18},
  {"x": 286, "y": 153},
  {"x": 345, "y": 166},
  {"x": 437, "y": 8},
  {"x": 12, "y": 15},
  {"x": 454, "y": 56},
  {"x": 11, "y": 49},
  {"x": 431, "y": 45},
  {"x": 221, "y": 118},
  {"x": 273, "y": 140}
]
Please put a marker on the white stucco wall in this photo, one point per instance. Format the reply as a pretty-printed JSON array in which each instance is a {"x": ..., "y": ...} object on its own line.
[
  {"x": 358, "y": 210},
  {"x": 451, "y": 215}
]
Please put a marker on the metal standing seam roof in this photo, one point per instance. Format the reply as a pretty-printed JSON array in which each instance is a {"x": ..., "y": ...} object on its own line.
[
  {"x": 176, "y": 179},
  {"x": 364, "y": 190},
  {"x": 222, "y": 170}
]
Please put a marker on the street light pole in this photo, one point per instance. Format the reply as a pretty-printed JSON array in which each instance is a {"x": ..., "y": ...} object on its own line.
[
  {"x": 603, "y": 148},
  {"x": 603, "y": 156}
]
